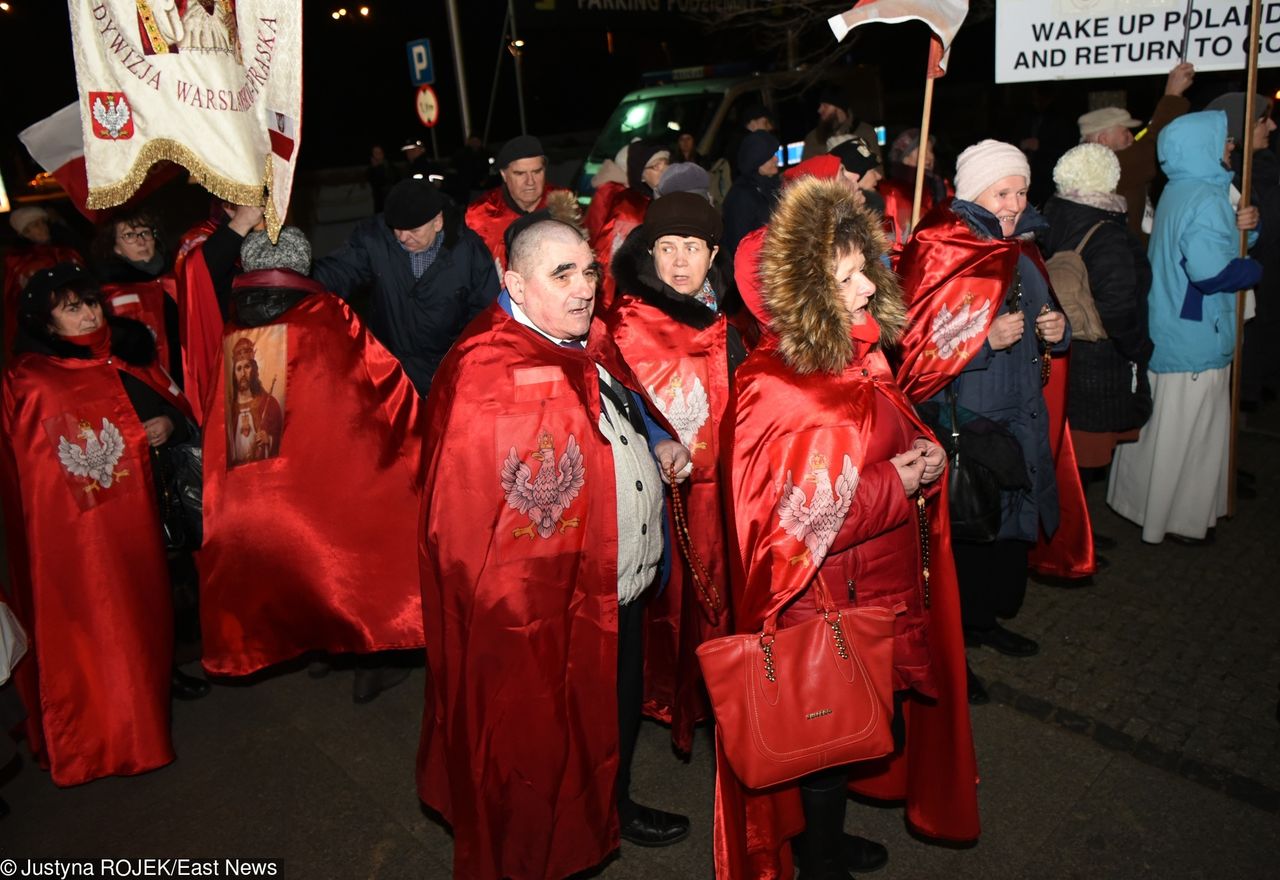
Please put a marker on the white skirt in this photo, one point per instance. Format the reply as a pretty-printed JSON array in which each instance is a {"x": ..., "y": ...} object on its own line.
[{"x": 1174, "y": 479}]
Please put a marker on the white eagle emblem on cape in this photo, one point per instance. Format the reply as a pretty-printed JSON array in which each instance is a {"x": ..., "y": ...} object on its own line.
[
  {"x": 97, "y": 459},
  {"x": 545, "y": 497},
  {"x": 817, "y": 523},
  {"x": 113, "y": 118},
  {"x": 950, "y": 331},
  {"x": 687, "y": 413}
]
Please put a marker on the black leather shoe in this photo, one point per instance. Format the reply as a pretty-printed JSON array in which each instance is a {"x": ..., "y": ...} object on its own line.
[
  {"x": 978, "y": 695},
  {"x": 1103, "y": 542},
  {"x": 862, "y": 856},
  {"x": 650, "y": 827},
  {"x": 188, "y": 687},
  {"x": 371, "y": 681},
  {"x": 1000, "y": 639}
]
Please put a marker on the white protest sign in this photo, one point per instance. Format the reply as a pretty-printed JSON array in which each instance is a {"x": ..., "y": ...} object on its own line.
[{"x": 1086, "y": 39}]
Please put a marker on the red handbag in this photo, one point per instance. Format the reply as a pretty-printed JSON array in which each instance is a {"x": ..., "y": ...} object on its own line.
[{"x": 792, "y": 701}]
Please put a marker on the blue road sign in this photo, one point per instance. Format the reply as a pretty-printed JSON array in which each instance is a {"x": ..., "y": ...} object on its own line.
[{"x": 421, "y": 70}]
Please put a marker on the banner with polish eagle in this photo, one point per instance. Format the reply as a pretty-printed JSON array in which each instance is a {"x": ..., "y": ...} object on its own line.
[
  {"x": 212, "y": 85},
  {"x": 943, "y": 17}
]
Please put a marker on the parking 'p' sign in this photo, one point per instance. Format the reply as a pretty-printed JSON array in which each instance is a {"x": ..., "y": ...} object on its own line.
[{"x": 421, "y": 70}]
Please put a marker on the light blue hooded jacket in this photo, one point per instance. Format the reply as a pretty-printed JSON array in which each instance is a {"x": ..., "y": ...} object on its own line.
[{"x": 1194, "y": 250}]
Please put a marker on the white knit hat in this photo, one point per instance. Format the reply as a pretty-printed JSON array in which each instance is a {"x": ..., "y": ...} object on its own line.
[
  {"x": 1088, "y": 168},
  {"x": 23, "y": 217},
  {"x": 986, "y": 162}
]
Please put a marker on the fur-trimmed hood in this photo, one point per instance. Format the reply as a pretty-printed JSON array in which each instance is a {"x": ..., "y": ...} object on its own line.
[
  {"x": 806, "y": 312},
  {"x": 634, "y": 274}
]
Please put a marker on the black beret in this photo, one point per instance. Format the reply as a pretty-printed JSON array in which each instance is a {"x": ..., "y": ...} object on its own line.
[
  {"x": 59, "y": 277},
  {"x": 526, "y": 146},
  {"x": 411, "y": 203}
]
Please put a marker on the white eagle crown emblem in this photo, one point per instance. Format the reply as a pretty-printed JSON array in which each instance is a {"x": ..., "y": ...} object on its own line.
[
  {"x": 950, "y": 331},
  {"x": 544, "y": 497},
  {"x": 113, "y": 115},
  {"x": 816, "y": 521},
  {"x": 687, "y": 411},
  {"x": 97, "y": 459}
]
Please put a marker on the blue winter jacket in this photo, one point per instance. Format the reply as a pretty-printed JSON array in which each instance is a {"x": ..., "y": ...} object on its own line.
[
  {"x": 1194, "y": 250},
  {"x": 1005, "y": 386}
]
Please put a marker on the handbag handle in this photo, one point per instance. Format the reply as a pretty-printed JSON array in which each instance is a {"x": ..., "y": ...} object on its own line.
[{"x": 830, "y": 615}]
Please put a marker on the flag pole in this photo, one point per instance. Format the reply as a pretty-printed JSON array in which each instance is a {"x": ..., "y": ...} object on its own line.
[
  {"x": 1246, "y": 184},
  {"x": 923, "y": 149}
]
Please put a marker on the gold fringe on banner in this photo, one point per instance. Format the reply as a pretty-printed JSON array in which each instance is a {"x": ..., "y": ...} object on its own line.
[{"x": 164, "y": 149}]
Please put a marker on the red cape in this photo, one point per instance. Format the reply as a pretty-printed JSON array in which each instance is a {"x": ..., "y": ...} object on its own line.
[
  {"x": 199, "y": 320},
  {"x": 90, "y": 580},
  {"x": 314, "y": 547},
  {"x": 491, "y": 214},
  {"x": 626, "y": 213},
  {"x": 519, "y": 747},
  {"x": 672, "y": 358},
  {"x": 957, "y": 284},
  {"x": 935, "y": 772},
  {"x": 898, "y": 196},
  {"x": 143, "y": 301},
  {"x": 20, "y": 263}
]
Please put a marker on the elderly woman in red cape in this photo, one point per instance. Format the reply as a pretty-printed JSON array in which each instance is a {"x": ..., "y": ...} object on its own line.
[
  {"x": 85, "y": 405},
  {"x": 670, "y": 322},
  {"x": 818, "y": 392},
  {"x": 983, "y": 320}
]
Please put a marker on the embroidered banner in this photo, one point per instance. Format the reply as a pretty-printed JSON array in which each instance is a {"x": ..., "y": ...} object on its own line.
[{"x": 213, "y": 85}]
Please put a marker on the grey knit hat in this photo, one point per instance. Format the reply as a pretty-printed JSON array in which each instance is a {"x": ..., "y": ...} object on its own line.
[
  {"x": 1232, "y": 103},
  {"x": 291, "y": 251}
]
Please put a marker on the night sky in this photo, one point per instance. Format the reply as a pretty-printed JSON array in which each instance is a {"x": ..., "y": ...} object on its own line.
[{"x": 577, "y": 65}]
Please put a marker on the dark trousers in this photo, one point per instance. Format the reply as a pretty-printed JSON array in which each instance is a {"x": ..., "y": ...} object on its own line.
[
  {"x": 993, "y": 580},
  {"x": 630, "y": 696}
]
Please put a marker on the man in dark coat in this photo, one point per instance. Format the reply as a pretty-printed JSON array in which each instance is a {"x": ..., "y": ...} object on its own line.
[{"x": 430, "y": 276}]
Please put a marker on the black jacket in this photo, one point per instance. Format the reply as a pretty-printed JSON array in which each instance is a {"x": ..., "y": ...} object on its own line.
[
  {"x": 747, "y": 207},
  {"x": 417, "y": 320},
  {"x": 1103, "y": 373}
]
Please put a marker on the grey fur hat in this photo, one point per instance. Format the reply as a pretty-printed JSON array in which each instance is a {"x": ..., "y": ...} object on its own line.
[{"x": 291, "y": 251}]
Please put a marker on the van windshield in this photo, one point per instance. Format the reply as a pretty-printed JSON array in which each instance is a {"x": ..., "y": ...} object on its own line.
[{"x": 655, "y": 118}]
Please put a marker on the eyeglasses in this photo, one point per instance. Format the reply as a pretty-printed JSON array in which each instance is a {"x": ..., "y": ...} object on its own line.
[{"x": 137, "y": 235}]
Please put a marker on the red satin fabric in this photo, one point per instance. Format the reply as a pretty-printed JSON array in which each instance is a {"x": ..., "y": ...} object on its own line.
[
  {"x": 20, "y": 263},
  {"x": 946, "y": 265},
  {"x": 144, "y": 302},
  {"x": 782, "y": 420},
  {"x": 315, "y": 547},
  {"x": 491, "y": 214},
  {"x": 626, "y": 213},
  {"x": 199, "y": 319},
  {"x": 519, "y": 746},
  {"x": 1069, "y": 553},
  {"x": 663, "y": 351},
  {"x": 898, "y": 197},
  {"x": 90, "y": 581}
]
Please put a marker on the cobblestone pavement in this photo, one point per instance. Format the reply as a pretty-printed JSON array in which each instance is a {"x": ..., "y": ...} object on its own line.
[{"x": 1173, "y": 652}]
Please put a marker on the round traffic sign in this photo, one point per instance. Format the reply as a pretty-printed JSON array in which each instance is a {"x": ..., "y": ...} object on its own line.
[{"x": 427, "y": 106}]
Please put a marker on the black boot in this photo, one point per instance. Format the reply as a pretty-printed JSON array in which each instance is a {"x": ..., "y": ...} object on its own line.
[
  {"x": 375, "y": 673},
  {"x": 188, "y": 687},
  {"x": 821, "y": 846}
]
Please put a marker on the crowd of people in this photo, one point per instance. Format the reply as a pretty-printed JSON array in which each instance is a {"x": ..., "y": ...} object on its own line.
[{"x": 558, "y": 454}]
